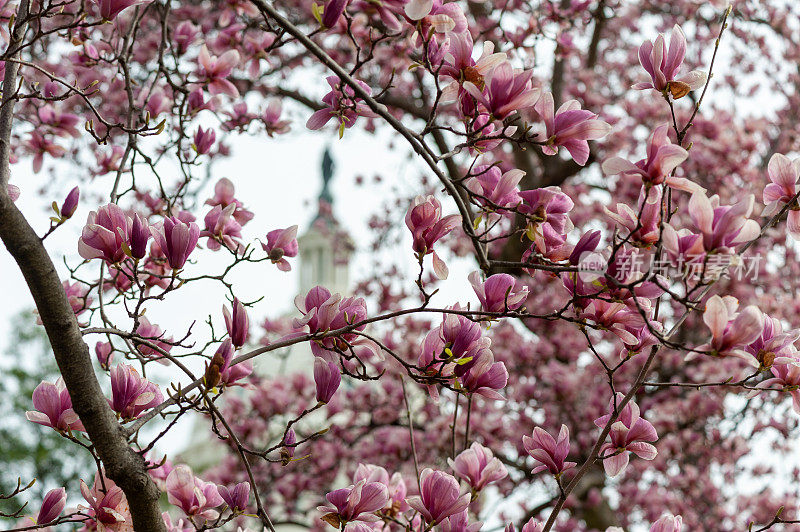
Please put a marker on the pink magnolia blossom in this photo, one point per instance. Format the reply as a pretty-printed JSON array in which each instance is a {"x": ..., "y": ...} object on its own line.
[
  {"x": 570, "y": 127},
  {"x": 499, "y": 292},
  {"x": 532, "y": 525},
  {"x": 104, "y": 352},
  {"x": 440, "y": 497},
  {"x": 195, "y": 497},
  {"x": 785, "y": 377},
  {"x": 41, "y": 145},
  {"x": 483, "y": 376},
  {"x": 424, "y": 220},
  {"x": 549, "y": 452},
  {"x": 236, "y": 498},
  {"x": 106, "y": 234},
  {"x": 642, "y": 222},
  {"x": 224, "y": 195},
  {"x": 682, "y": 245},
  {"x": 108, "y": 507},
  {"x": 495, "y": 191},
  {"x": 78, "y": 296},
  {"x": 281, "y": 243},
  {"x": 140, "y": 235},
  {"x": 109, "y": 9},
  {"x": 436, "y": 16},
  {"x": 184, "y": 35},
  {"x": 327, "y": 378},
  {"x": 547, "y": 212},
  {"x": 52, "y": 506},
  {"x": 459, "y": 65},
  {"x": 358, "y": 502},
  {"x": 668, "y": 523},
  {"x": 176, "y": 239},
  {"x": 506, "y": 90},
  {"x": 237, "y": 323},
  {"x": 662, "y": 158},
  {"x": 13, "y": 192},
  {"x": 154, "y": 335},
  {"x": 54, "y": 407},
  {"x": 230, "y": 375},
  {"x": 215, "y": 71},
  {"x": 723, "y": 227},
  {"x": 179, "y": 526},
  {"x": 395, "y": 486},
  {"x": 324, "y": 312},
  {"x": 615, "y": 317},
  {"x": 332, "y": 12},
  {"x": 774, "y": 346},
  {"x": 731, "y": 331},
  {"x": 783, "y": 174},
  {"x": 70, "y": 204},
  {"x": 460, "y": 523},
  {"x": 343, "y": 104},
  {"x": 272, "y": 119},
  {"x": 222, "y": 229},
  {"x": 132, "y": 394},
  {"x": 478, "y": 467},
  {"x": 663, "y": 65},
  {"x": 629, "y": 433},
  {"x": 204, "y": 140}
]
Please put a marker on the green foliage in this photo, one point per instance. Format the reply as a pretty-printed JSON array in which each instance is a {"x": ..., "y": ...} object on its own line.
[{"x": 29, "y": 450}]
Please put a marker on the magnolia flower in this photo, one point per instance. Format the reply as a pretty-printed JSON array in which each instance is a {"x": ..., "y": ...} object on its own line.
[
  {"x": 663, "y": 67},
  {"x": 221, "y": 228},
  {"x": 478, "y": 467},
  {"x": 629, "y": 433},
  {"x": 54, "y": 407},
  {"x": 237, "y": 323},
  {"x": 395, "y": 486},
  {"x": 342, "y": 104},
  {"x": 495, "y": 191},
  {"x": 327, "y": 379},
  {"x": 104, "y": 352},
  {"x": 324, "y": 312},
  {"x": 220, "y": 370},
  {"x": 668, "y": 523},
  {"x": 783, "y": 174},
  {"x": 642, "y": 222},
  {"x": 281, "y": 243},
  {"x": 459, "y": 65},
  {"x": 106, "y": 234},
  {"x": 52, "y": 506},
  {"x": 774, "y": 346},
  {"x": 140, "y": 234},
  {"x": 569, "y": 127},
  {"x": 154, "y": 335},
  {"x": 549, "y": 452},
  {"x": 109, "y": 9},
  {"x": 785, "y": 377},
  {"x": 424, "y": 220},
  {"x": 460, "y": 523},
  {"x": 506, "y": 90},
  {"x": 176, "y": 239},
  {"x": 731, "y": 331},
  {"x": 195, "y": 497},
  {"x": 546, "y": 210},
  {"x": 13, "y": 192},
  {"x": 440, "y": 497},
  {"x": 483, "y": 376},
  {"x": 359, "y": 502},
  {"x": 132, "y": 394},
  {"x": 332, "y": 12},
  {"x": 203, "y": 140},
  {"x": 108, "y": 507},
  {"x": 723, "y": 227},
  {"x": 236, "y": 498},
  {"x": 215, "y": 71},
  {"x": 70, "y": 204},
  {"x": 499, "y": 292},
  {"x": 662, "y": 158},
  {"x": 224, "y": 195}
]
